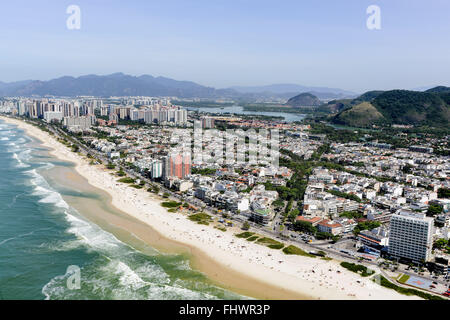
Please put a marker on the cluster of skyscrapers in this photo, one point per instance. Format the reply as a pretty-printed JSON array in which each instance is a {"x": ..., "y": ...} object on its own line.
[
  {"x": 56, "y": 109},
  {"x": 67, "y": 110},
  {"x": 148, "y": 114}
]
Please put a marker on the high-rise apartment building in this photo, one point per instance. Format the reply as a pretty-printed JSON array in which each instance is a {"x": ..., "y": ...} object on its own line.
[
  {"x": 177, "y": 165},
  {"x": 411, "y": 236}
]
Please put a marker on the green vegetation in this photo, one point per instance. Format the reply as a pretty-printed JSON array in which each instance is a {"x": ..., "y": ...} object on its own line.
[
  {"x": 153, "y": 188},
  {"x": 200, "y": 218},
  {"x": 366, "y": 225},
  {"x": 246, "y": 225},
  {"x": 403, "y": 278},
  {"x": 244, "y": 235},
  {"x": 304, "y": 100},
  {"x": 357, "y": 268},
  {"x": 278, "y": 203},
  {"x": 398, "y": 107},
  {"x": 408, "y": 291},
  {"x": 442, "y": 244},
  {"x": 171, "y": 204},
  {"x": 223, "y": 229},
  {"x": 252, "y": 238},
  {"x": 324, "y": 148},
  {"x": 297, "y": 251},
  {"x": 444, "y": 193},
  {"x": 351, "y": 214},
  {"x": 110, "y": 166},
  {"x": 136, "y": 186},
  {"x": 293, "y": 214},
  {"x": 361, "y": 115},
  {"x": 204, "y": 172},
  {"x": 270, "y": 243},
  {"x": 326, "y": 235},
  {"x": 434, "y": 209},
  {"x": 303, "y": 226},
  {"x": 126, "y": 180}
]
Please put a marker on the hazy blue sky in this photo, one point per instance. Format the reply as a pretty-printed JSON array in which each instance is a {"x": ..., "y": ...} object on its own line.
[{"x": 223, "y": 43}]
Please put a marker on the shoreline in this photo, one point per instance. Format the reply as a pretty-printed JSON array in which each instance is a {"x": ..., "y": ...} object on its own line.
[{"x": 232, "y": 263}]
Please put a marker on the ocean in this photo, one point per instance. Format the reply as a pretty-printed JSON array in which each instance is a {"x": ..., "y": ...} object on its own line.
[{"x": 43, "y": 236}]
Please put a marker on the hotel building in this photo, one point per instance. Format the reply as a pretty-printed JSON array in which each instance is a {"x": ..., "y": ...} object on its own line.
[{"x": 411, "y": 236}]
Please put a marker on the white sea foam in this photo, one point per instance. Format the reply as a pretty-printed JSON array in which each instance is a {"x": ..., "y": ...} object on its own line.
[
  {"x": 47, "y": 165},
  {"x": 25, "y": 155},
  {"x": 123, "y": 275},
  {"x": 4, "y": 138},
  {"x": 42, "y": 189},
  {"x": 53, "y": 289},
  {"x": 20, "y": 163},
  {"x": 128, "y": 278}
]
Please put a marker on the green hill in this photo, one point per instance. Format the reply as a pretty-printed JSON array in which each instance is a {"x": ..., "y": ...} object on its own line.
[
  {"x": 304, "y": 100},
  {"x": 399, "y": 107},
  {"x": 361, "y": 115},
  {"x": 440, "y": 89}
]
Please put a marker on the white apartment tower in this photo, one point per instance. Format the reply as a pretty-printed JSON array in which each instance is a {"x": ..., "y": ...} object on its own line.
[{"x": 411, "y": 236}]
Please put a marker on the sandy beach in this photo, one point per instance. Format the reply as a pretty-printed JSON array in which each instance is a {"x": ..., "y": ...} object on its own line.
[{"x": 234, "y": 263}]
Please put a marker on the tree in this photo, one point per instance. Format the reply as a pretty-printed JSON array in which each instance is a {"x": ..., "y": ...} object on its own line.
[
  {"x": 278, "y": 203},
  {"x": 444, "y": 193},
  {"x": 407, "y": 169},
  {"x": 323, "y": 235},
  {"x": 246, "y": 226},
  {"x": 293, "y": 214},
  {"x": 440, "y": 244},
  {"x": 304, "y": 226},
  {"x": 366, "y": 225},
  {"x": 434, "y": 209}
]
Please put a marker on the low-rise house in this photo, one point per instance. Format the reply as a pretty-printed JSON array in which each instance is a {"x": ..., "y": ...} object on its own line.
[
  {"x": 313, "y": 220},
  {"x": 330, "y": 226},
  {"x": 376, "y": 238}
]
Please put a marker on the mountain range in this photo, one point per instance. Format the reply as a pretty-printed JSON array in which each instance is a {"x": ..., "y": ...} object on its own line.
[
  {"x": 289, "y": 90},
  {"x": 119, "y": 84}
]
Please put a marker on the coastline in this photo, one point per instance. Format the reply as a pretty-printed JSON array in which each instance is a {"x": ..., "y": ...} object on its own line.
[{"x": 235, "y": 264}]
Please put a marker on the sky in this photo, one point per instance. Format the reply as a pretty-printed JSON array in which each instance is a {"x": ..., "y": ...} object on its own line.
[{"x": 225, "y": 43}]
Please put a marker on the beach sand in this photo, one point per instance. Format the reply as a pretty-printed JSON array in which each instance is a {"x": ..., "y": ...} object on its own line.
[{"x": 235, "y": 264}]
